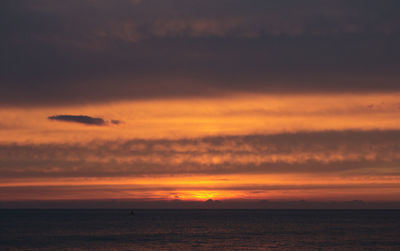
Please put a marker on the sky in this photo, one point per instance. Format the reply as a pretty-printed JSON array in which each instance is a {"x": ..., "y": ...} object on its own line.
[{"x": 166, "y": 100}]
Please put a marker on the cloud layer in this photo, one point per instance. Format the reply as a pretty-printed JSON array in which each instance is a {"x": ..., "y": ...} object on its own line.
[
  {"x": 350, "y": 153},
  {"x": 95, "y": 51}
]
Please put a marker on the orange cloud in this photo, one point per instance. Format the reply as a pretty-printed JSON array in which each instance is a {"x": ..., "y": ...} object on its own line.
[{"x": 221, "y": 148}]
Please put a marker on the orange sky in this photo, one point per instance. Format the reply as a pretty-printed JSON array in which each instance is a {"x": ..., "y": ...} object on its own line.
[
  {"x": 281, "y": 147},
  {"x": 197, "y": 100},
  {"x": 195, "y": 117}
]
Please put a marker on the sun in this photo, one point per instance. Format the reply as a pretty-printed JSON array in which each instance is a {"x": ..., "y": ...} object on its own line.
[
  {"x": 196, "y": 195},
  {"x": 204, "y": 195}
]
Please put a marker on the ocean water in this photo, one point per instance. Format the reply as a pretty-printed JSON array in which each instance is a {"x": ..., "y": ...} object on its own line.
[{"x": 200, "y": 230}]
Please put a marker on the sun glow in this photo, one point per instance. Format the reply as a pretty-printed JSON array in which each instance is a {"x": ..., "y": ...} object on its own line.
[
  {"x": 202, "y": 188},
  {"x": 163, "y": 150}
]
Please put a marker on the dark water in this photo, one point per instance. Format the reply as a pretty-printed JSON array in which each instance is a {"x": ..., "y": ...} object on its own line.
[{"x": 200, "y": 229}]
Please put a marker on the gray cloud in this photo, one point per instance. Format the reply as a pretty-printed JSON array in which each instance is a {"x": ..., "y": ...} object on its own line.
[
  {"x": 82, "y": 119},
  {"x": 351, "y": 153},
  {"x": 94, "y": 51},
  {"x": 116, "y": 122}
]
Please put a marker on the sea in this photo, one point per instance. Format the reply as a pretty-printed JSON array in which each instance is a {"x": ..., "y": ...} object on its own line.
[{"x": 199, "y": 229}]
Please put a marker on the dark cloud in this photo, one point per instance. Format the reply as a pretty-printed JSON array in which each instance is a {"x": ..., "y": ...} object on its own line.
[
  {"x": 116, "y": 122},
  {"x": 350, "y": 153},
  {"x": 94, "y": 51},
  {"x": 83, "y": 119}
]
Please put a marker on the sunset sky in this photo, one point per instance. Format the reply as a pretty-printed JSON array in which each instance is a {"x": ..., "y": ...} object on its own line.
[{"x": 202, "y": 99}]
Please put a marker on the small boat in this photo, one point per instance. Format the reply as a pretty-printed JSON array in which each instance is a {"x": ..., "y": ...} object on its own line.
[{"x": 132, "y": 213}]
